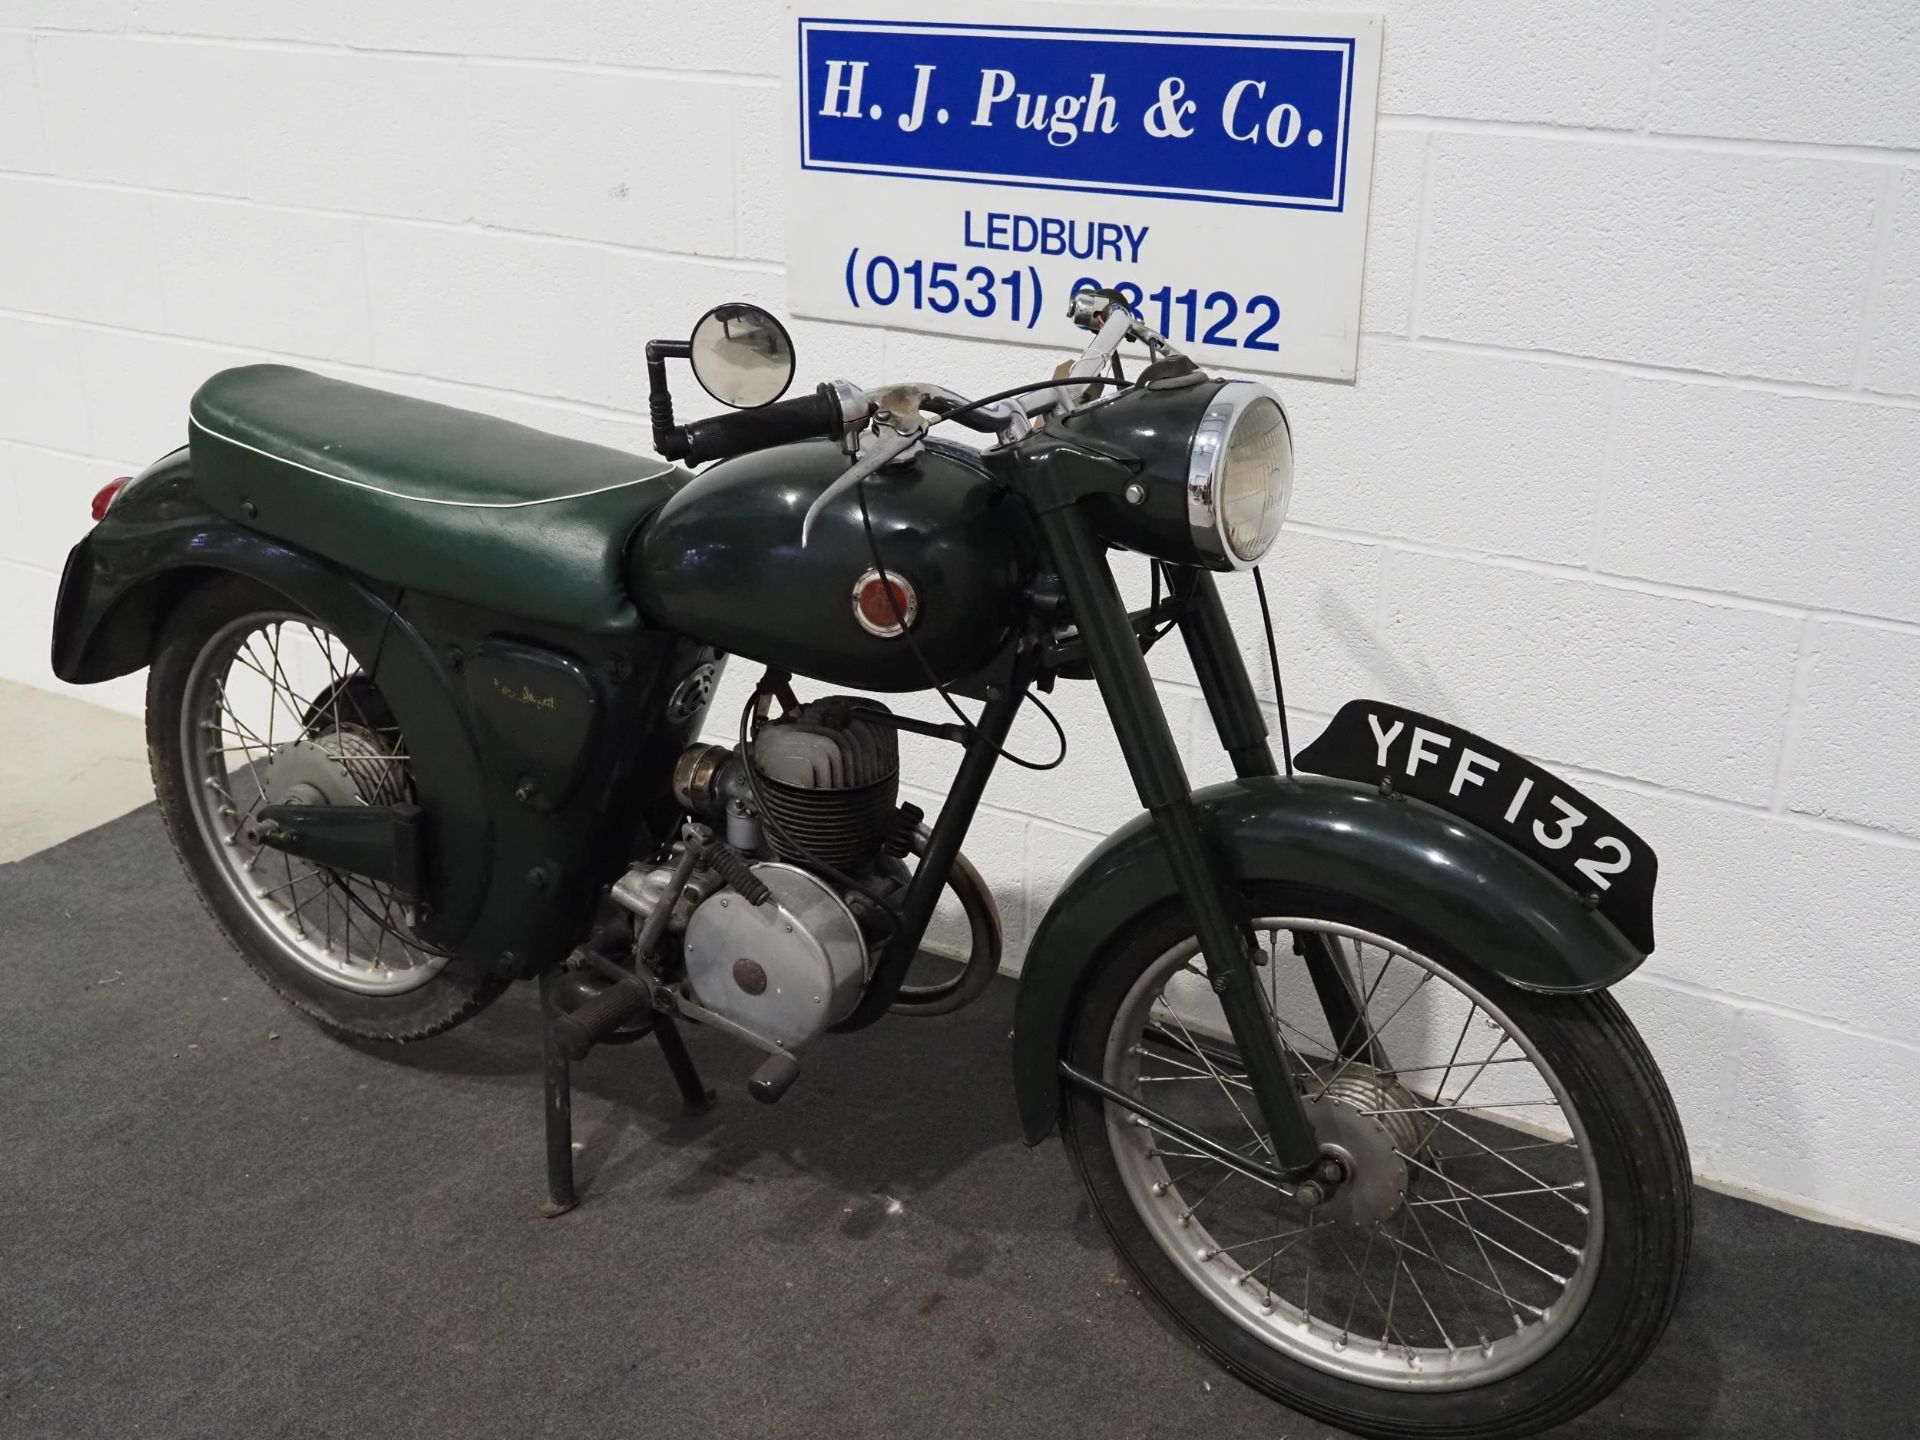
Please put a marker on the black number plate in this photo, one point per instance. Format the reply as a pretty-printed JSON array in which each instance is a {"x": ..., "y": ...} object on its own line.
[{"x": 1531, "y": 809}]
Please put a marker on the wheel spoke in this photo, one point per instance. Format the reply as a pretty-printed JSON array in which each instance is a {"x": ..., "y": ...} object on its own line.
[
  {"x": 284, "y": 685},
  {"x": 1346, "y": 1324},
  {"x": 1243, "y": 1149},
  {"x": 1262, "y": 1240},
  {"x": 1393, "y": 1287},
  {"x": 1501, "y": 1156},
  {"x": 1366, "y": 1000},
  {"x": 1251, "y": 1128},
  {"x": 1452, "y": 1281},
  {"x": 290, "y": 882},
  {"x": 1145, "y": 1123},
  {"x": 1271, "y": 1260},
  {"x": 1453, "y": 1184},
  {"x": 1514, "y": 1194},
  {"x": 1195, "y": 1072},
  {"x": 1359, "y": 1274},
  {"x": 1414, "y": 1280},
  {"x": 1401, "y": 1244},
  {"x": 241, "y": 729},
  {"x": 1405, "y": 1000},
  {"x": 1479, "y": 1245},
  {"x": 1504, "y": 1248},
  {"x": 1463, "y": 1109},
  {"x": 1440, "y": 1092}
]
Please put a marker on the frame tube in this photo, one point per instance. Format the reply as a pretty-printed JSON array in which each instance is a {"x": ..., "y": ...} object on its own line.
[{"x": 943, "y": 844}]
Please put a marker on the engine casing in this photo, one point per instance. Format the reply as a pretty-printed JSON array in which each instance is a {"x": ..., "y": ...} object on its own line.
[{"x": 785, "y": 969}]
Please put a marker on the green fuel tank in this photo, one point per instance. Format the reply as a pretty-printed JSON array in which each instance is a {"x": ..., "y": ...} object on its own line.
[{"x": 722, "y": 562}]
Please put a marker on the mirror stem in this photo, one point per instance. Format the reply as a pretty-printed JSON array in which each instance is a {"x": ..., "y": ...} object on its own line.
[{"x": 669, "y": 440}]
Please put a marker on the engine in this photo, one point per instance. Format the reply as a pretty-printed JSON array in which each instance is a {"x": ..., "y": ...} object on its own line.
[
  {"x": 824, "y": 789},
  {"x": 768, "y": 940}
]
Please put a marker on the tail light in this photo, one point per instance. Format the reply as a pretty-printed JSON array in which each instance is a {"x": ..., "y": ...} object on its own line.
[{"x": 104, "y": 497}]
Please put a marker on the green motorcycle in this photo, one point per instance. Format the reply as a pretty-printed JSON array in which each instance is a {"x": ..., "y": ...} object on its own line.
[{"x": 1329, "y": 1043}]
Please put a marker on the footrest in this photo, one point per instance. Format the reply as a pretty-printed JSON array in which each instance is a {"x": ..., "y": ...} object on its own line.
[{"x": 599, "y": 1017}]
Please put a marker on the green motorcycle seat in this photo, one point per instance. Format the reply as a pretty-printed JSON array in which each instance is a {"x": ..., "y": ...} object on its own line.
[{"x": 427, "y": 496}]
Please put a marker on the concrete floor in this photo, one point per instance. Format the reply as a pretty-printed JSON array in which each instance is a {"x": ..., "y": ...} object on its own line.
[{"x": 65, "y": 767}]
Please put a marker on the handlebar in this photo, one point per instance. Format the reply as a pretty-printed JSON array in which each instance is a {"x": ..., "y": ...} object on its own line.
[
  {"x": 897, "y": 411},
  {"x": 806, "y": 417}
]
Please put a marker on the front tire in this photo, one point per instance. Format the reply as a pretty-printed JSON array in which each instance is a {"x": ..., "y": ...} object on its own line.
[
  {"x": 1511, "y": 1240},
  {"x": 251, "y": 700}
]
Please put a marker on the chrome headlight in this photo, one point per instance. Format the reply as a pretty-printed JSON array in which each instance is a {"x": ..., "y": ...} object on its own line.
[{"x": 1239, "y": 474}]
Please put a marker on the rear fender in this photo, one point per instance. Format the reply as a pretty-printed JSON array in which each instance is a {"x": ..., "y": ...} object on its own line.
[
  {"x": 1399, "y": 857},
  {"x": 158, "y": 542}
]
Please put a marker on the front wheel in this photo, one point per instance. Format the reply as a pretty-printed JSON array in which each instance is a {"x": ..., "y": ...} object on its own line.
[{"x": 1510, "y": 1235}]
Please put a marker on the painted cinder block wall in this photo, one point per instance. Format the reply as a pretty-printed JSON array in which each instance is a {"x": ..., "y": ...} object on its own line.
[{"x": 1630, "y": 479}]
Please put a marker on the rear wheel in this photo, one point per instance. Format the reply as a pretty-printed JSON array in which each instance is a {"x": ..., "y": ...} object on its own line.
[
  {"x": 1509, "y": 1238},
  {"x": 251, "y": 701}
]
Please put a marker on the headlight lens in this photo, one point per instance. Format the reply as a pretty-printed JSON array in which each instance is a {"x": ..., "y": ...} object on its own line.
[
  {"x": 1257, "y": 480},
  {"x": 1240, "y": 475}
]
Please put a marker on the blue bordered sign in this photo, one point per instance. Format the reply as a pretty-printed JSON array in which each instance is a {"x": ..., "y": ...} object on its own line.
[
  {"x": 967, "y": 175},
  {"x": 1245, "y": 119}
]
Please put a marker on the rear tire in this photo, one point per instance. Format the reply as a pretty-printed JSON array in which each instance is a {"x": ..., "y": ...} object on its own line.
[
  {"x": 372, "y": 981},
  {"x": 1635, "y": 1237}
]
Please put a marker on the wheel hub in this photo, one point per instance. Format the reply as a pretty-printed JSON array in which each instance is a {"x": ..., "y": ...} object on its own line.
[
  {"x": 343, "y": 766},
  {"x": 1364, "y": 1122}
]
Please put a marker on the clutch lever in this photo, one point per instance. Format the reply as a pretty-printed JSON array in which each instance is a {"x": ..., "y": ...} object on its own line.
[{"x": 888, "y": 447}]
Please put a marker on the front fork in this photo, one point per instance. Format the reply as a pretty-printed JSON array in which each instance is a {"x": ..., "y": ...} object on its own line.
[
  {"x": 1222, "y": 673},
  {"x": 1140, "y": 723}
]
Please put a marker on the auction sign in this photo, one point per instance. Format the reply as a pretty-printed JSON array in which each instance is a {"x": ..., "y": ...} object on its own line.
[{"x": 966, "y": 176}]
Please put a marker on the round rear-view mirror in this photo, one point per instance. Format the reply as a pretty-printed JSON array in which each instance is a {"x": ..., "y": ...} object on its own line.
[{"x": 741, "y": 356}]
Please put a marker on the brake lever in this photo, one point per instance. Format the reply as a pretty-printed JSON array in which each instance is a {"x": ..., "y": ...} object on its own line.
[
  {"x": 889, "y": 448},
  {"x": 1110, "y": 319}
]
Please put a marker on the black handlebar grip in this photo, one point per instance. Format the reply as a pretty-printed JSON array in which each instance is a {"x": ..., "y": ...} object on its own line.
[{"x": 808, "y": 417}]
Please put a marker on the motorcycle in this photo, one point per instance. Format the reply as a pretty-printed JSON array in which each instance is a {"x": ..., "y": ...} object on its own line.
[{"x": 1329, "y": 1044}]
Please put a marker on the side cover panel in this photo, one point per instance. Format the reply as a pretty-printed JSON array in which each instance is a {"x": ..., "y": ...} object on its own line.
[{"x": 1403, "y": 857}]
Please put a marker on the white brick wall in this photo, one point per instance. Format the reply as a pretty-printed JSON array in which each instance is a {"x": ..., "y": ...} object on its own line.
[{"x": 1628, "y": 479}]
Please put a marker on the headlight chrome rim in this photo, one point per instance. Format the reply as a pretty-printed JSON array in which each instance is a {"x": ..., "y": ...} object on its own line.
[{"x": 1206, "y": 465}]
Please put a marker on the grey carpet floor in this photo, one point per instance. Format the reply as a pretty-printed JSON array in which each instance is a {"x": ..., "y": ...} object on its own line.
[{"x": 214, "y": 1221}]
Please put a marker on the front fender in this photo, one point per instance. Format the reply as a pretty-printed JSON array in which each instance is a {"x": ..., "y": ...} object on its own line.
[{"x": 1398, "y": 856}]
